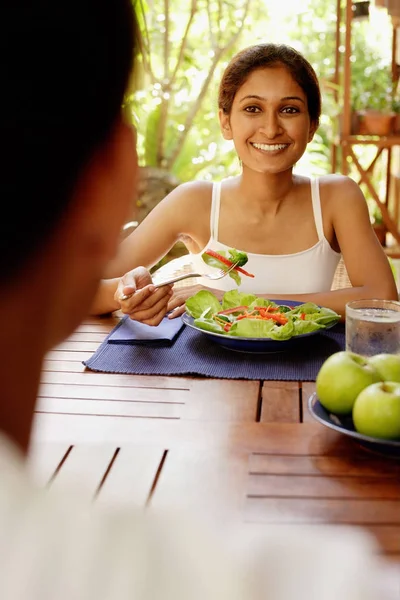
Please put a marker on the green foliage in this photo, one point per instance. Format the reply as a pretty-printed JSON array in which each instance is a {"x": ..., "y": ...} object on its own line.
[
  {"x": 150, "y": 148},
  {"x": 371, "y": 84}
]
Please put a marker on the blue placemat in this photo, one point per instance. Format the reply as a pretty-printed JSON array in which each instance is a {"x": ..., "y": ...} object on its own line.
[
  {"x": 193, "y": 353},
  {"x": 133, "y": 332}
]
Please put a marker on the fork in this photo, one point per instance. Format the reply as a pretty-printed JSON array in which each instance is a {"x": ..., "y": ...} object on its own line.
[{"x": 219, "y": 274}]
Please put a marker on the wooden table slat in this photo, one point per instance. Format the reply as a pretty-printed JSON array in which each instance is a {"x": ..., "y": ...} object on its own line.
[
  {"x": 69, "y": 355},
  {"x": 330, "y": 510},
  {"x": 117, "y": 380},
  {"x": 280, "y": 402},
  {"x": 132, "y": 476},
  {"x": 84, "y": 469},
  {"x": 71, "y": 346},
  {"x": 57, "y": 367},
  {"x": 44, "y": 458},
  {"x": 303, "y": 486},
  {"x": 360, "y": 466},
  {"x": 203, "y": 481},
  {"x": 208, "y": 401},
  {"x": 76, "y": 406},
  {"x": 99, "y": 392}
]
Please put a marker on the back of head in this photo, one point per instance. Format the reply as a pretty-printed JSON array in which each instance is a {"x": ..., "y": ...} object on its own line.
[
  {"x": 64, "y": 67},
  {"x": 262, "y": 56}
]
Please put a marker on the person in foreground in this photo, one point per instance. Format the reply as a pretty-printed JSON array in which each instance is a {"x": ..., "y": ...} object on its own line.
[
  {"x": 293, "y": 228},
  {"x": 65, "y": 147}
]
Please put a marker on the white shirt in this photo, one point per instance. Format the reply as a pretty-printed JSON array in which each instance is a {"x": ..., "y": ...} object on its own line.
[
  {"x": 306, "y": 272},
  {"x": 57, "y": 548}
]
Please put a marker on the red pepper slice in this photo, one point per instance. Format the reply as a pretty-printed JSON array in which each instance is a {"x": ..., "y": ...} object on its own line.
[
  {"x": 303, "y": 316},
  {"x": 228, "y": 311},
  {"x": 227, "y": 262},
  {"x": 279, "y": 318},
  {"x": 268, "y": 308}
]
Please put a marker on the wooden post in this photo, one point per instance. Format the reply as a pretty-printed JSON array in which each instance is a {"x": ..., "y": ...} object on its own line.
[
  {"x": 347, "y": 73},
  {"x": 336, "y": 81}
]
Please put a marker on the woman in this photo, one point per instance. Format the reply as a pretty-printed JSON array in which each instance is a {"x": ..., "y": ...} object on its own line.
[{"x": 294, "y": 229}]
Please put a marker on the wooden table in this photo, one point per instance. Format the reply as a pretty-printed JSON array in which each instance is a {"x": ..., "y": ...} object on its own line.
[{"x": 242, "y": 449}]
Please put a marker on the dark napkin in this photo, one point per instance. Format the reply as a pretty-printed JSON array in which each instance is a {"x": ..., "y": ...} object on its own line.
[
  {"x": 133, "y": 332},
  {"x": 194, "y": 353}
]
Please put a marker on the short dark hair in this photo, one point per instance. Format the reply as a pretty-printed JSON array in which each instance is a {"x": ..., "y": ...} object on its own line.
[
  {"x": 64, "y": 69},
  {"x": 261, "y": 56}
]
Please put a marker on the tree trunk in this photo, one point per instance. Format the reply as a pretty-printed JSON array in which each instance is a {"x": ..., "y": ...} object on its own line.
[{"x": 154, "y": 185}]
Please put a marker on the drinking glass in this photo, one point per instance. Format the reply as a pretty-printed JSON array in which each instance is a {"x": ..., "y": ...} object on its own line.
[{"x": 373, "y": 327}]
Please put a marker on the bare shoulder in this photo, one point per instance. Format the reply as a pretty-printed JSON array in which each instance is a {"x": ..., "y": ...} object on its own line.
[
  {"x": 335, "y": 185},
  {"x": 339, "y": 192},
  {"x": 192, "y": 193},
  {"x": 186, "y": 208}
]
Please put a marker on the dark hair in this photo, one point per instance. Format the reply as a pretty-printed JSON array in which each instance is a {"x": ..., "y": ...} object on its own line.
[
  {"x": 64, "y": 68},
  {"x": 262, "y": 56}
]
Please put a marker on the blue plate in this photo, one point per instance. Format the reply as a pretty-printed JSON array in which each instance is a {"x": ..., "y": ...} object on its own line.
[
  {"x": 254, "y": 345},
  {"x": 344, "y": 424}
]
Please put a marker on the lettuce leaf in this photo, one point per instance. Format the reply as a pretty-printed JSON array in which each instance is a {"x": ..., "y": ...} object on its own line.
[
  {"x": 302, "y": 327},
  {"x": 203, "y": 300},
  {"x": 307, "y": 308},
  {"x": 236, "y": 298},
  {"x": 324, "y": 316},
  {"x": 252, "y": 328},
  {"x": 209, "y": 325},
  {"x": 283, "y": 332}
]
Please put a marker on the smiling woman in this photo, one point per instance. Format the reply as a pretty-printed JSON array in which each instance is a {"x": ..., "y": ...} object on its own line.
[{"x": 294, "y": 229}]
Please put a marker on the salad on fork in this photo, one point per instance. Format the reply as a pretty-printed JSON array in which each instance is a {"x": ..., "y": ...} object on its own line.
[{"x": 225, "y": 260}]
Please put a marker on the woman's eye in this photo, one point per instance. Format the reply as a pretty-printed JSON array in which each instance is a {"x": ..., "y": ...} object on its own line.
[
  {"x": 252, "y": 109},
  {"x": 291, "y": 110}
]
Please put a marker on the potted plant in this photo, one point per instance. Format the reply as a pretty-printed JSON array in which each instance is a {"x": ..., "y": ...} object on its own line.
[
  {"x": 378, "y": 117},
  {"x": 374, "y": 109}
]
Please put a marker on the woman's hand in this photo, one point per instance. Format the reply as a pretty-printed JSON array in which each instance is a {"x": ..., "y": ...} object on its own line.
[
  {"x": 146, "y": 303},
  {"x": 176, "y": 303}
]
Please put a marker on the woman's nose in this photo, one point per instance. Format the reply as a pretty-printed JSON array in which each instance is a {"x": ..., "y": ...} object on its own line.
[{"x": 271, "y": 126}]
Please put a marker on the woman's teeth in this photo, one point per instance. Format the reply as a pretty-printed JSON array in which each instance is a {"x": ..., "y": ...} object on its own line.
[{"x": 270, "y": 147}]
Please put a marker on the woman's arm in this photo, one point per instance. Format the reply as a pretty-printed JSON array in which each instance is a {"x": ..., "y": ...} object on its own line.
[
  {"x": 185, "y": 211},
  {"x": 365, "y": 260}
]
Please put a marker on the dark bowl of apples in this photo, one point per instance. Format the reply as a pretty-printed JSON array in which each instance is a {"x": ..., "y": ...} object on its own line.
[{"x": 360, "y": 397}]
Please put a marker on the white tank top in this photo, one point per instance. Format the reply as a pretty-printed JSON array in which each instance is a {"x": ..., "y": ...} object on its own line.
[{"x": 309, "y": 271}]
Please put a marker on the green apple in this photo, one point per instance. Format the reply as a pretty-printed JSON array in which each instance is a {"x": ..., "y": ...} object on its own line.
[
  {"x": 376, "y": 411},
  {"x": 387, "y": 365},
  {"x": 341, "y": 378}
]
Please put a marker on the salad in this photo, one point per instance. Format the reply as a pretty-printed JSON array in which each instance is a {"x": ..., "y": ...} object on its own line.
[
  {"x": 225, "y": 259},
  {"x": 246, "y": 315}
]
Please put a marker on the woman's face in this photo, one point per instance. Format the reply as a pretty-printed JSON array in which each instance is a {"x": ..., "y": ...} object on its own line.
[{"x": 269, "y": 122}]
